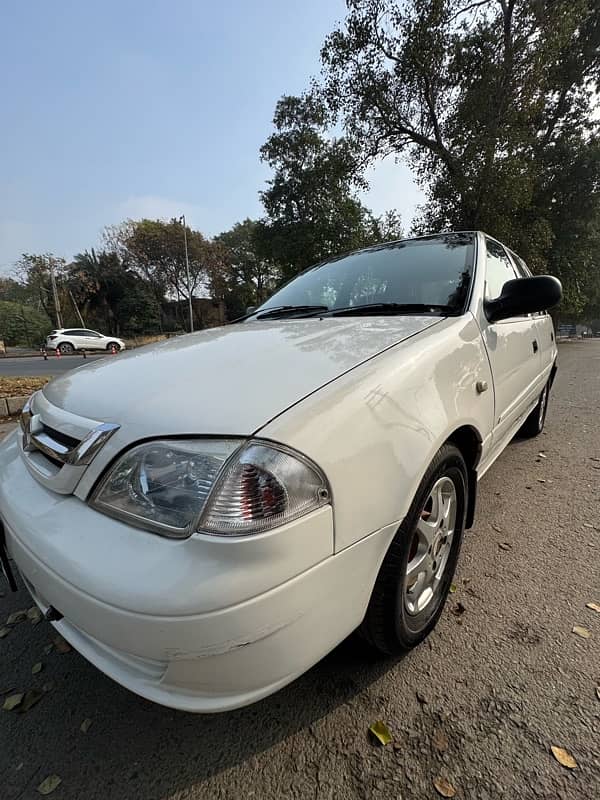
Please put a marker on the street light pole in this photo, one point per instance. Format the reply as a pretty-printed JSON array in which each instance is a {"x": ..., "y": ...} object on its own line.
[{"x": 187, "y": 272}]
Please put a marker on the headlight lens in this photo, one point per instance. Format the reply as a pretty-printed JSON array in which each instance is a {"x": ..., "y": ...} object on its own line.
[{"x": 177, "y": 487}]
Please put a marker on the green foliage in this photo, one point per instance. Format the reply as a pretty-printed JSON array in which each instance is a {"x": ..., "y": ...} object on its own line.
[
  {"x": 311, "y": 202},
  {"x": 21, "y": 324},
  {"x": 492, "y": 104}
]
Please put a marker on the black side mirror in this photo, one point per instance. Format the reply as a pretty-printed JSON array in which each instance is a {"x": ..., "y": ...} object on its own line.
[{"x": 524, "y": 296}]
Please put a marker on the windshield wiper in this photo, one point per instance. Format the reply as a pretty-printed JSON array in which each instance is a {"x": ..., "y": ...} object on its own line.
[
  {"x": 390, "y": 308},
  {"x": 284, "y": 311}
]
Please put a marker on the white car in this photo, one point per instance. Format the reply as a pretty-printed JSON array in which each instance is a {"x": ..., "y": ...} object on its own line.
[
  {"x": 67, "y": 340},
  {"x": 206, "y": 518}
]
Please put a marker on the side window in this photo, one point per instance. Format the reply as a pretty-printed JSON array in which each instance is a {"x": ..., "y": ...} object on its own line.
[
  {"x": 498, "y": 271},
  {"x": 72, "y": 333},
  {"x": 522, "y": 267},
  {"x": 91, "y": 334}
]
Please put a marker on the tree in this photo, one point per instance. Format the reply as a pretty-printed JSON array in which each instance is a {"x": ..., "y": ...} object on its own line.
[
  {"x": 311, "y": 202},
  {"x": 20, "y": 324},
  {"x": 482, "y": 97},
  {"x": 37, "y": 273},
  {"x": 243, "y": 277}
]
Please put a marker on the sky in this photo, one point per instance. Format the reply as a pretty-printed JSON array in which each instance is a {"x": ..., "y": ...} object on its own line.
[{"x": 115, "y": 110}]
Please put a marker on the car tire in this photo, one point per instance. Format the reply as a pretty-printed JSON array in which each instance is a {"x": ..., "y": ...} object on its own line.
[
  {"x": 534, "y": 424},
  {"x": 66, "y": 348},
  {"x": 110, "y": 346},
  {"x": 405, "y": 605}
]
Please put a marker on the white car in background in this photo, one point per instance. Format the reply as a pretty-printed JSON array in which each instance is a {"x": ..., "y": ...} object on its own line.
[
  {"x": 206, "y": 518},
  {"x": 67, "y": 340}
]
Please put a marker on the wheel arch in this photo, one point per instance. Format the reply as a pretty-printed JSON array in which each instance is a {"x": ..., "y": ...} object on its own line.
[{"x": 469, "y": 442}]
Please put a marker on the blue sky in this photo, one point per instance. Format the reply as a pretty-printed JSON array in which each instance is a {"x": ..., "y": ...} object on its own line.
[{"x": 128, "y": 109}]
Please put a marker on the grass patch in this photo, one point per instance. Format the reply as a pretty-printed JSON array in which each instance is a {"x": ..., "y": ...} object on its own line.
[{"x": 17, "y": 387}]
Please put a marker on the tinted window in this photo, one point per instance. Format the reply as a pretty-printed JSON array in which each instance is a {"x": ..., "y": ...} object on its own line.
[
  {"x": 433, "y": 271},
  {"x": 72, "y": 333},
  {"x": 499, "y": 269},
  {"x": 92, "y": 334}
]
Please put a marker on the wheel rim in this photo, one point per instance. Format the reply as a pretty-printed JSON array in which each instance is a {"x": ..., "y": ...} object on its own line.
[
  {"x": 431, "y": 546},
  {"x": 66, "y": 348},
  {"x": 542, "y": 409}
]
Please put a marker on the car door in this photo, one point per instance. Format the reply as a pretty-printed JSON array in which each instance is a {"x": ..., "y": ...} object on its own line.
[
  {"x": 513, "y": 350},
  {"x": 93, "y": 340}
]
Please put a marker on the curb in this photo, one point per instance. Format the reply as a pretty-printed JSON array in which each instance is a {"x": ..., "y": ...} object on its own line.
[{"x": 10, "y": 406}]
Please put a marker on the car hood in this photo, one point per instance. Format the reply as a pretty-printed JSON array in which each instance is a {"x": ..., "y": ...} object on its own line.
[{"x": 228, "y": 380}]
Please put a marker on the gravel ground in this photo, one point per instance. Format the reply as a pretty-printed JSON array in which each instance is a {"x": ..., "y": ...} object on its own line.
[{"x": 480, "y": 703}]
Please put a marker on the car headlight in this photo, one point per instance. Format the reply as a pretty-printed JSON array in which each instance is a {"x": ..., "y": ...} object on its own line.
[{"x": 222, "y": 487}]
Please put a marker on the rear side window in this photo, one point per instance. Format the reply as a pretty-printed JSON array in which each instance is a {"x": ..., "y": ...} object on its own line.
[
  {"x": 72, "y": 333},
  {"x": 498, "y": 270}
]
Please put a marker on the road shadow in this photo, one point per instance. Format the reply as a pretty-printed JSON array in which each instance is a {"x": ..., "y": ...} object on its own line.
[{"x": 135, "y": 748}]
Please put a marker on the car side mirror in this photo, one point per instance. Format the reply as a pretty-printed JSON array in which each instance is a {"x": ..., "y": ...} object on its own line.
[
  {"x": 251, "y": 309},
  {"x": 524, "y": 296}
]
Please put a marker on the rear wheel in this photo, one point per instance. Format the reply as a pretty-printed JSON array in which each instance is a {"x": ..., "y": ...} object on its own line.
[
  {"x": 66, "y": 348},
  {"x": 534, "y": 424},
  {"x": 417, "y": 571}
]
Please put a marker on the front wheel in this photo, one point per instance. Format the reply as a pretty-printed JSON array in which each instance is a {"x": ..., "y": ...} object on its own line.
[
  {"x": 417, "y": 571},
  {"x": 113, "y": 347}
]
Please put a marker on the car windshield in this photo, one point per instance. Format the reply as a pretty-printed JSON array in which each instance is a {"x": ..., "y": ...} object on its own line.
[{"x": 427, "y": 273}]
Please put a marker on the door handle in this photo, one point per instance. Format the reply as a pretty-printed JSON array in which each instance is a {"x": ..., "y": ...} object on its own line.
[{"x": 535, "y": 346}]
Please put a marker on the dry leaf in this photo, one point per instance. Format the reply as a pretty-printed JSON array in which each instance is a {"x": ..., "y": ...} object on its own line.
[
  {"x": 452, "y": 588},
  {"x": 13, "y": 700},
  {"x": 381, "y": 732},
  {"x": 32, "y": 696},
  {"x": 444, "y": 787},
  {"x": 49, "y": 784},
  {"x": 61, "y": 645},
  {"x": 34, "y": 615},
  {"x": 440, "y": 741},
  {"x": 16, "y": 617},
  {"x": 581, "y": 631},
  {"x": 36, "y": 668},
  {"x": 4, "y": 632},
  {"x": 594, "y": 606},
  {"x": 85, "y": 725},
  {"x": 563, "y": 757},
  {"x": 459, "y": 609},
  {"x": 504, "y": 545}
]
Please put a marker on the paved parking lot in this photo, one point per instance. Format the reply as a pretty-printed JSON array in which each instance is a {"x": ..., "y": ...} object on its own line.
[{"x": 500, "y": 681}]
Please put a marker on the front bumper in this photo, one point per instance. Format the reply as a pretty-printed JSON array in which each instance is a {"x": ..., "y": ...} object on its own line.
[{"x": 201, "y": 625}]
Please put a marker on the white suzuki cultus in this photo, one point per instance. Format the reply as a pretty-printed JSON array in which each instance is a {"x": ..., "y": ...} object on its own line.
[{"x": 206, "y": 518}]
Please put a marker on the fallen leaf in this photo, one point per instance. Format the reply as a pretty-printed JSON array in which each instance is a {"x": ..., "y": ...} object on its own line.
[
  {"x": 61, "y": 645},
  {"x": 563, "y": 757},
  {"x": 32, "y": 696},
  {"x": 36, "y": 668},
  {"x": 594, "y": 606},
  {"x": 444, "y": 787},
  {"x": 87, "y": 723},
  {"x": 34, "y": 615},
  {"x": 16, "y": 617},
  {"x": 13, "y": 700},
  {"x": 381, "y": 732},
  {"x": 452, "y": 588},
  {"x": 440, "y": 741},
  {"x": 504, "y": 546},
  {"x": 49, "y": 784},
  {"x": 581, "y": 631},
  {"x": 4, "y": 632},
  {"x": 497, "y": 528},
  {"x": 458, "y": 609}
]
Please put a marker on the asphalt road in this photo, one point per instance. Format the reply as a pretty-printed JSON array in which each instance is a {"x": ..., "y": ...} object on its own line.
[
  {"x": 503, "y": 681},
  {"x": 36, "y": 366}
]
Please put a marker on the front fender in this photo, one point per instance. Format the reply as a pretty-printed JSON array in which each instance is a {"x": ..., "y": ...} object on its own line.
[{"x": 375, "y": 430}]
